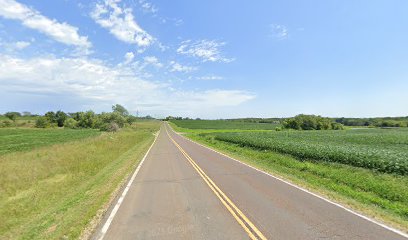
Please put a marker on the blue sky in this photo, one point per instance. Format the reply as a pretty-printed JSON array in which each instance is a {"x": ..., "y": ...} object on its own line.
[{"x": 208, "y": 59}]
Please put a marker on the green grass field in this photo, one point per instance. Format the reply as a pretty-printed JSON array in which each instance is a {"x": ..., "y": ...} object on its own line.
[
  {"x": 223, "y": 124},
  {"x": 24, "y": 139},
  {"x": 57, "y": 191},
  {"x": 304, "y": 157}
]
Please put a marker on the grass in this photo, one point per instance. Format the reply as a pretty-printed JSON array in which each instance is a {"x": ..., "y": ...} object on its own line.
[
  {"x": 27, "y": 121},
  {"x": 379, "y": 195},
  {"x": 55, "y": 192},
  {"x": 223, "y": 124},
  {"x": 25, "y": 139},
  {"x": 23, "y": 118}
]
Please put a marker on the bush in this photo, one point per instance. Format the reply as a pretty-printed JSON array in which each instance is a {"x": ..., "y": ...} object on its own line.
[
  {"x": 131, "y": 119},
  {"x": 42, "y": 122},
  {"x": 337, "y": 126},
  {"x": 111, "y": 127},
  {"x": 106, "y": 119},
  {"x": 71, "y": 123},
  {"x": 86, "y": 119},
  {"x": 6, "y": 123}
]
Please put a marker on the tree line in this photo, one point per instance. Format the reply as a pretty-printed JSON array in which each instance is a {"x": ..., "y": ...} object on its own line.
[
  {"x": 105, "y": 121},
  {"x": 374, "y": 122},
  {"x": 311, "y": 122}
]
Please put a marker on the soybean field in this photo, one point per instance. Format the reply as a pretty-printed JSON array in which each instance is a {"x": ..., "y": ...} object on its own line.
[{"x": 383, "y": 150}]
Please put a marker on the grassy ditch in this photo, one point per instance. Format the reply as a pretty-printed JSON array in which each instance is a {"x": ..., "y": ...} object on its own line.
[{"x": 55, "y": 191}]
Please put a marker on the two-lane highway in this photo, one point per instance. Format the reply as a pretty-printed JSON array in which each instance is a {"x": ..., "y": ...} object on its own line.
[{"x": 186, "y": 191}]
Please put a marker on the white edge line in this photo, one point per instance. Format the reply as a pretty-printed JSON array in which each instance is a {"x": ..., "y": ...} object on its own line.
[
  {"x": 300, "y": 188},
  {"x": 120, "y": 200}
]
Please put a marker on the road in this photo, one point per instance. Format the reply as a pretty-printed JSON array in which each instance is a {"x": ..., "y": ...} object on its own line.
[{"x": 186, "y": 191}]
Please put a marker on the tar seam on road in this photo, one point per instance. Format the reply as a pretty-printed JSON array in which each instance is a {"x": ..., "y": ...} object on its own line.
[
  {"x": 303, "y": 189},
  {"x": 247, "y": 225},
  {"x": 120, "y": 200}
]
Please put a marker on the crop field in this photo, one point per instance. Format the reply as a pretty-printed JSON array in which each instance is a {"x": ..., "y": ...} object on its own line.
[
  {"x": 384, "y": 150},
  {"x": 24, "y": 139},
  {"x": 223, "y": 124},
  {"x": 57, "y": 191},
  {"x": 364, "y": 169}
]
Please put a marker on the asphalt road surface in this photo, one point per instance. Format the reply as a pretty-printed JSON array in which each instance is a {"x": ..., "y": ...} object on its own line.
[{"x": 186, "y": 191}]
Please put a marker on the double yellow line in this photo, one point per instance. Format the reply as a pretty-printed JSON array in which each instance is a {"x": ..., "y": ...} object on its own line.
[{"x": 247, "y": 225}]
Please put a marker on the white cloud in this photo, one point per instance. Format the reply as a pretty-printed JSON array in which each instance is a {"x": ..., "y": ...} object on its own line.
[
  {"x": 13, "y": 46},
  {"x": 162, "y": 47},
  {"x": 121, "y": 23},
  {"x": 152, "y": 60},
  {"x": 220, "y": 98},
  {"x": 22, "y": 44},
  {"x": 177, "y": 67},
  {"x": 129, "y": 56},
  {"x": 98, "y": 84},
  {"x": 61, "y": 32},
  {"x": 178, "y": 22},
  {"x": 210, "y": 77},
  {"x": 279, "y": 31},
  {"x": 148, "y": 6},
  {"x": 207, "y": 50}
]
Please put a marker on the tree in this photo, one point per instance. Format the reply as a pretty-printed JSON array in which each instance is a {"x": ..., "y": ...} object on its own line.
[
  {"x": 26, "y": 114},
  {"x": 50, "y": 117},
  {"x": 60, "y": 118},
  {"x": 86, "y": 119},
  {"x": 105, "y": 121},
  {"x": 120, "y": 109},
  {"x": 311, "y": 122},
  {"x": 12, "y": 115},
  {"x": 292, "y": 123}
]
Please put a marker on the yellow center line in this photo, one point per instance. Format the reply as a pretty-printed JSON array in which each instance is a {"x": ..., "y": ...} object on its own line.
[{"x": 240, "y": 217}]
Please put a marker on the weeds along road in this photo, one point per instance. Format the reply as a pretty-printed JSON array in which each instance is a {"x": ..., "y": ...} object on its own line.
[{"x": 186, "y": 191}]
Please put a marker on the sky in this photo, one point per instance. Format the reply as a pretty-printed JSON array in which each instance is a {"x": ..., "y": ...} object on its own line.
[{"x": 208, "y": 59}]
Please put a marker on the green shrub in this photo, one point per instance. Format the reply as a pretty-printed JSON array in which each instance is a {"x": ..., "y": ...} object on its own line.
[
  {"x": 71, "y": 123},
  {"x": 131, "y": 119},
  {"x": 7, "y": 123},
  {"x": 42, "y": 122},
  {"x": 105, "y": 121},
  {"x": 112, "y": 127},
  {"x": 86, "y": 119},
  {"x": 337, "y": 126}
]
